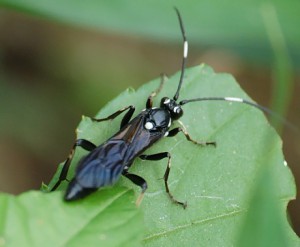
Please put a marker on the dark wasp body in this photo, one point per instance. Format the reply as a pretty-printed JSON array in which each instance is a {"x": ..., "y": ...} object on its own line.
[{"x": 104, "y": 165}]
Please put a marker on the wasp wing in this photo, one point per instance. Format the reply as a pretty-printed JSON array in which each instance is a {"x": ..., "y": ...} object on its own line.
[{"x": 104, "y": 165}]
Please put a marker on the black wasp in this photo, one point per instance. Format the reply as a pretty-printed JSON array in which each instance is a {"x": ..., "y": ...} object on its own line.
[{"x": 104, "y": 165}]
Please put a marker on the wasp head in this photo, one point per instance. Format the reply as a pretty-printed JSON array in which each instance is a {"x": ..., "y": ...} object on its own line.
[{"x": 172, "y": 106}]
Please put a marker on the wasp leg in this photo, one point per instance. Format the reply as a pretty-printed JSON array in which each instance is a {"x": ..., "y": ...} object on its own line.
[
  {"x": 125, "y": 119},
  {"x": 87, "y": 145},
  {"x": 149, "y": 102},
  {"x": 138, "y": 181},
  {"x": 175, "y": 131},
  {"x": 160, "y": 156}
]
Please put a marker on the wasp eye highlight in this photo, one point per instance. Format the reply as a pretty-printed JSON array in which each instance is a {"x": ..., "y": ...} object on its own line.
[
  {"x": 176, "y": 109},
  {"x": 167, "y": 101}
]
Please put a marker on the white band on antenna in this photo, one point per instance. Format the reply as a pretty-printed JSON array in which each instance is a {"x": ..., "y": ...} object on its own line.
[{"x": 185, "y": 49}]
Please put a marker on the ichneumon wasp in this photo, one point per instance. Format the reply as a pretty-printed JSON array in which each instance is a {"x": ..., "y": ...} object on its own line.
[{"x": 105, "y": 163}]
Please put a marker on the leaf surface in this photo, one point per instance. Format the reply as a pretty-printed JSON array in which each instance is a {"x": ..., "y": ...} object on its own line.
[{"x": 35, "y": 218}]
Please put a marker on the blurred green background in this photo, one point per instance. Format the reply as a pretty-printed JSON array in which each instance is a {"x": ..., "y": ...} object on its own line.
[{"x": 62, "y": 59}]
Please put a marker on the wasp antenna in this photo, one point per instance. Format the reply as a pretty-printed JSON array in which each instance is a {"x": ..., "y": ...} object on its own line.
[
  {"x": 243, "y": 101},
  {"x": 229, "y": 99},
  {"x": 185, "y": 53}
]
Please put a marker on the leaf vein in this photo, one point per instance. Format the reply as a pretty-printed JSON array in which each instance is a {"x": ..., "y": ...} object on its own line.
[{"x": 201, "y": 221}]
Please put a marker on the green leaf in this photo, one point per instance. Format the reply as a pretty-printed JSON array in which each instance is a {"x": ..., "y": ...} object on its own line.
[
  {"x": 265, "y": 222},
  {"x": 44, "y": 219},
  {"x": 216, "y": 182},
  {"x": 207, "y": 22}
]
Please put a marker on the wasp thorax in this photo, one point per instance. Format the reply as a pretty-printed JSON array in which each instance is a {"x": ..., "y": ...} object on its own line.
[
  {"x": 157, "y": 118},
  {"x": 172, "y": 106}
]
